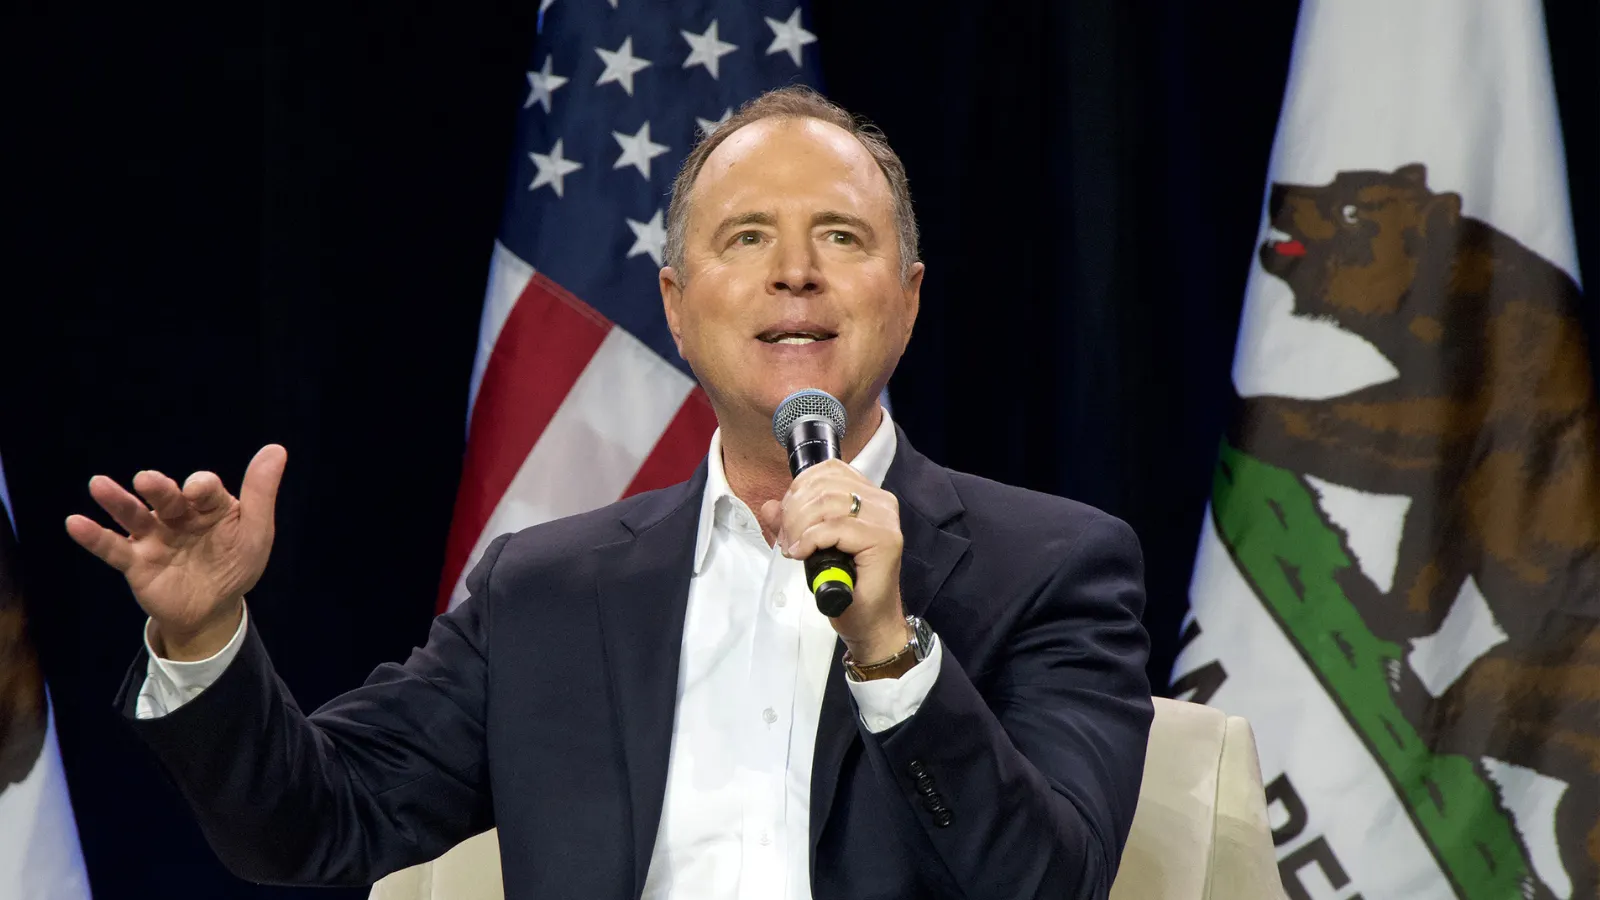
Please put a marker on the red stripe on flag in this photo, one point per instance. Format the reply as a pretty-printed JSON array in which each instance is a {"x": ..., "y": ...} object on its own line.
[
  {"x": 546, "y": 342},
  {"x": 680, "y": 448}
]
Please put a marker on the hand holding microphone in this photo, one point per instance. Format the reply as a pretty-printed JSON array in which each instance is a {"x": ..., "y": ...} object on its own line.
[{"x": 845, "y": 528}]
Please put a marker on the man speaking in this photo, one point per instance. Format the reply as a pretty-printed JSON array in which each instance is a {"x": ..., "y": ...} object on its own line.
[{"x": 645, "y": 699}]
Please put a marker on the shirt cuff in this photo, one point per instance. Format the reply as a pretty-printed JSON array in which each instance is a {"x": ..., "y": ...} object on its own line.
[
  {"x": 886, "y": 702},
  {"x": 169, "y": 684}
]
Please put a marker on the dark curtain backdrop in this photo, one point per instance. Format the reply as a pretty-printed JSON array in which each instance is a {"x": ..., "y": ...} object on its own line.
[{"x": 238, "y": 223}]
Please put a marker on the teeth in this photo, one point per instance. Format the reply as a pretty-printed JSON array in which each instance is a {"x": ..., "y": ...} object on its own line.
[
  {"x": 796, "y": 339},
  {"x": 1274, "y": 236}
]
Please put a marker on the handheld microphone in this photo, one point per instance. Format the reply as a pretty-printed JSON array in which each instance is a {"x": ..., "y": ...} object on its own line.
[{"x": 809, "y": 424}]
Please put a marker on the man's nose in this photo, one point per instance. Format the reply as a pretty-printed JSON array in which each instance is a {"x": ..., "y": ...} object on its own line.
[{"x": 795, "y": 268}]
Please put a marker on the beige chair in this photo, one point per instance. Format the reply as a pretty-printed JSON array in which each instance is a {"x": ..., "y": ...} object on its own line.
[
  {"x": 1200, "y": 831},
  {"x": 469, "y": 871}
]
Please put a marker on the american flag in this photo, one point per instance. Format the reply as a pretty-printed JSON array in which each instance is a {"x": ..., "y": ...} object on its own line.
[{"x": 578, "y": 396}]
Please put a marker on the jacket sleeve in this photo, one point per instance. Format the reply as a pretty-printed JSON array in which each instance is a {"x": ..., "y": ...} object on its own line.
[
  {"x": 1028, "y": 788},
  {"x": 386, "y": 776}
]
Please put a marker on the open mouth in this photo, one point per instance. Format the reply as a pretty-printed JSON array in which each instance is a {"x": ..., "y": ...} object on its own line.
[
  {"x": 796, "y": 338},
  {"x": 1284, "y": 244}
]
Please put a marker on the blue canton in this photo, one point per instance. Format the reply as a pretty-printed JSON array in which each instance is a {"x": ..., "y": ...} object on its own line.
[{"x": 616, "y": 99}]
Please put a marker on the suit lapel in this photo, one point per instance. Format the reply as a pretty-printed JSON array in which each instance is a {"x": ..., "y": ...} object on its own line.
[
  {"x": 836, "y": 733},
  {"x": 643, "y": 593},
  {"x": 928, "y": 503}
]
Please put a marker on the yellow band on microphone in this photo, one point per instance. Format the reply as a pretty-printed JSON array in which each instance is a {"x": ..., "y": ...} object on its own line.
[{"x": 833, "y": 573}]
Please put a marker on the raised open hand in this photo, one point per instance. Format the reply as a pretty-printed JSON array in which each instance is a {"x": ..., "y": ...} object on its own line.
[{"x": 193, "y": 552}]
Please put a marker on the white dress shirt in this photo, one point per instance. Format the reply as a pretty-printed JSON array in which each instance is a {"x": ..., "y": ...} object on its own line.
[{"x": 735, "y": 821}]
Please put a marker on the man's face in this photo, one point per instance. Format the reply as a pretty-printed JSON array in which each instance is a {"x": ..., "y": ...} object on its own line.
[{"x": 792, "y": 273}]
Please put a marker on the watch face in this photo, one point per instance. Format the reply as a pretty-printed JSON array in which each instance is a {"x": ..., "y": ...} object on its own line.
[{"x": 924, "y": 636}]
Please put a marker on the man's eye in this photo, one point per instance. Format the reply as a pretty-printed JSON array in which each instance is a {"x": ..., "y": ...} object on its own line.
[
  {"x": 747, "y": 238},
  {"x": 843, "y": 238}
]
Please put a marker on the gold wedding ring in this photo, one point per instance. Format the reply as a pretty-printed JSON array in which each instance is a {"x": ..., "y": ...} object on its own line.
[{"x": 855, "y": 505}]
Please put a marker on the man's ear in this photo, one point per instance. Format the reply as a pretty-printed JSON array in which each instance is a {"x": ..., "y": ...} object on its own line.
[
  {"x": 1441, "y": 214},
  {"x": 913, "y": 291},
  {"x": 1415, "y": 173},
  {"x": 671, "y": 299}
]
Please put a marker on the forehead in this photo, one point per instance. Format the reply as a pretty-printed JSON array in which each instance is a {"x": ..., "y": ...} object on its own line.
[{"x": 790, "y": 159}]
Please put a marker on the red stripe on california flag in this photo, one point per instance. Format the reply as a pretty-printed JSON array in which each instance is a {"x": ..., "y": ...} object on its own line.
[
  {"x": 546, "y": 342},
  {"x": 680, "y": 448}
]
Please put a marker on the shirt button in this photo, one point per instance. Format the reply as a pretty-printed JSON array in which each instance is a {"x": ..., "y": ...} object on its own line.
[
  {"x": 769, "y": 716},
  {"x": 881, "y": 722},
  {"x": 779, "y": 600},
  {"x": 766, "y": 839}
]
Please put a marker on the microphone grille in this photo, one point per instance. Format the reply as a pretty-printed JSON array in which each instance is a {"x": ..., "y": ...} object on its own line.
[{"x": 803, "y": 404}]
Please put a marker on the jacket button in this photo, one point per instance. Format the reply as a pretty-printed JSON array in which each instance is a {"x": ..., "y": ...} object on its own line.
[
  {"x": 916, "y": 768},
  {"x": 942, "y": 818}
]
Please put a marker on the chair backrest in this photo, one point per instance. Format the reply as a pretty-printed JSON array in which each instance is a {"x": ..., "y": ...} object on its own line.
[{"x": 1199, "y": 833}]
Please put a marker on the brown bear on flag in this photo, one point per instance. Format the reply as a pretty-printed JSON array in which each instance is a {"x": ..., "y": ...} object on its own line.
[{"x": 1489, "y": 429}]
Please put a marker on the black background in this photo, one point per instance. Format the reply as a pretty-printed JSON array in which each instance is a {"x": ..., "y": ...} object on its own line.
[{"x": 271, "y": 222}]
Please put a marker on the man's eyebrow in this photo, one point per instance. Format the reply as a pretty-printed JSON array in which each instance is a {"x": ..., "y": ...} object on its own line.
[
  {"x": 832, "y": 217},
  {"x": 749, "y": 218}
]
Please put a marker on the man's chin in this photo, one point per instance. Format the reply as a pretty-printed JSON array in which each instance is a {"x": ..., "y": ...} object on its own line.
[
  {"x": 758, "y": 383},
  {"x": 772, "y": 393},
  {"x": 778, "y": 378}
]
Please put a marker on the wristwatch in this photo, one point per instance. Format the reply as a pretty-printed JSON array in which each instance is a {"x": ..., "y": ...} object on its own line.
[{"x": 915, "y": 651}]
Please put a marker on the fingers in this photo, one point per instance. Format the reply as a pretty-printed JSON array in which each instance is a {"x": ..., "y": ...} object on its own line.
[
  {"x": 111, "y": 547},
  {"x": 204, "y": 492},
  {"x": 840, "y": 500},
  {"x": 162, "y": 493},
  {"x": 816, "y": 513},
  {"x": 832, "y": 493},
  {"x": 258, "y": 495},
  {"x": 832, "y": 475},
  {"x": 849, "y": 535},
  {"x": 126, "y": 509},
  {"x": 771, "y": 515}
]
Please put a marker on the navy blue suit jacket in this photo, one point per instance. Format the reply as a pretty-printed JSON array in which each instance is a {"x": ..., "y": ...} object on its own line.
[{"x": 544, "y": 705}]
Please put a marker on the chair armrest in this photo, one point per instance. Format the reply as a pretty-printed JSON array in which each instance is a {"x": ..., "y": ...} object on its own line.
[
  {"x": 1243, "y": 862},
  {"x": 469, "y": 871},
  {"x": 415, "y": 883}
]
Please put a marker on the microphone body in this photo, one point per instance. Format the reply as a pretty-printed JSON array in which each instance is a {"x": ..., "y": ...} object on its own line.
[{"x": 810, "y": 424}]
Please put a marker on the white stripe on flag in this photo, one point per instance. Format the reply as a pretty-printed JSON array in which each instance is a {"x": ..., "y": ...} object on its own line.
[
  {"x": 594, "y": 444},
  {"x": 508, "y": 276}
]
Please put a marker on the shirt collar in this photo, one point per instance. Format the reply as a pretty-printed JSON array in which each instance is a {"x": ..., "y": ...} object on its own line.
[{"x": 873, "y": 462}]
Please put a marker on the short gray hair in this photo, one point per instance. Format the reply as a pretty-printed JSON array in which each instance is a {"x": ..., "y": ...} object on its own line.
[{"x": 794, "y": 102}]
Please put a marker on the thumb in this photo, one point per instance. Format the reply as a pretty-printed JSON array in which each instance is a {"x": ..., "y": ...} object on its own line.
[
  {"x": 772, "y": 519},
  {"x": 258, "y": 494}
]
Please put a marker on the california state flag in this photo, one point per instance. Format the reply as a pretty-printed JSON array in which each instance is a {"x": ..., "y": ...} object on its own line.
[{"x": 1398, "y": 581}]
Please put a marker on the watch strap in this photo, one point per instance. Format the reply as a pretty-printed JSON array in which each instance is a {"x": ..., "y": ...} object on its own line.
[{"x": 917, "y": 647}]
